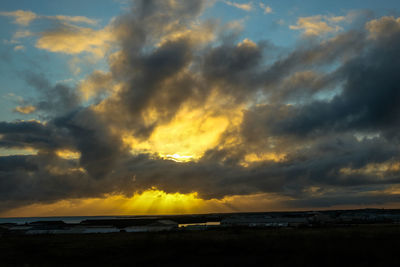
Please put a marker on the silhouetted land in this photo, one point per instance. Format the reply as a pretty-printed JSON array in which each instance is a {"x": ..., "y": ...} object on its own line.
[{"x": 356, "y": 245}]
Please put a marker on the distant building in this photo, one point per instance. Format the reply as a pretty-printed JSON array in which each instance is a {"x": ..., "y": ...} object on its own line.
[{"x": 264, "y": 222}]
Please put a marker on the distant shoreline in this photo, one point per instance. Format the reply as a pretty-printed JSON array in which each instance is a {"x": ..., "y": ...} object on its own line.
[{"x": 115, "y": 224}]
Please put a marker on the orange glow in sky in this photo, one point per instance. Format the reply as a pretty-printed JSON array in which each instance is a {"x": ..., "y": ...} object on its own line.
[{"x": 149, "y": 202}]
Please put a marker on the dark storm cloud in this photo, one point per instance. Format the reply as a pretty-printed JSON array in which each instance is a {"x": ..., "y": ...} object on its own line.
[
  {"x": 148, "y": 88},
  {"x": 16, "y": 163},
  {"x": 240, "y": 70},
  {"x": 43, "y": 178},
  {"x": 311, "y": 55},
  {"x": 232, "y": 63},
  {"x": 368, "y": 102},
  {"x": 57, "y": 99},
  {"x": 153, "y": 77},
  {"x": 99, "y": 148},
  {"x": 31, "y": 134},
  {"x": 81, "y": 131},
  {"x": 46, "y": 177},
  {"x": 160, "y": 74},
  {"x": 102, "y": 152},
  {"x": 349, "y": 199},
  {"x": 320, "y": 167}
]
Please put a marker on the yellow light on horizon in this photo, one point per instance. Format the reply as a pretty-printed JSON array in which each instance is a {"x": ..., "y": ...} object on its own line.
[
  {"x": 156, "y": 201},
  {"x": 150, "y": 202}
]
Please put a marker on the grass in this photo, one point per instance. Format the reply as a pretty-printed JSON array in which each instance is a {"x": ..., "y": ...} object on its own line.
[{"x": 345, "y": 246}]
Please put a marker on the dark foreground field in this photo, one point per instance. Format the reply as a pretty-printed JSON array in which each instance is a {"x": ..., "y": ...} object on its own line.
[{"x": 346, "y": 246}]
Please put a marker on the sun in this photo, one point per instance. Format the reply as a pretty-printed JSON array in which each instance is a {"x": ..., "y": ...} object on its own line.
[
  {"x": 178, "y": 158},
  {"x": 184, "y": 139}
]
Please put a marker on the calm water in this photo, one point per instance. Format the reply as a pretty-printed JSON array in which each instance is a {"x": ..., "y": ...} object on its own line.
[
  {"x": 78, "y": 219},
  {"x": 65, "y": 219}
]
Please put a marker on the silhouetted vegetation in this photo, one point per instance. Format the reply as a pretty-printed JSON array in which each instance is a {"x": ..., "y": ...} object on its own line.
[{"x": 373, "y": 245}]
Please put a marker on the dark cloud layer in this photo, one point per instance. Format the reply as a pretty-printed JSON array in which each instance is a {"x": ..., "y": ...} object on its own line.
[
  {"x": 56, "y": 99},
  {"x": 332, "y": 146}
]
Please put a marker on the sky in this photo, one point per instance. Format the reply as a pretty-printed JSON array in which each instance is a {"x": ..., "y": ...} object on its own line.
[{"x": 118, "y": 107}]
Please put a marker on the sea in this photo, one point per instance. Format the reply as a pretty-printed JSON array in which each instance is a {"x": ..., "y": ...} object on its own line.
[{"x": 68, "y": 219}]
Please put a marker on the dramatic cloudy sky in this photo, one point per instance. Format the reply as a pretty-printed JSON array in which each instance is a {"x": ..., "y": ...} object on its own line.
[{"x": 175, "y": 106}]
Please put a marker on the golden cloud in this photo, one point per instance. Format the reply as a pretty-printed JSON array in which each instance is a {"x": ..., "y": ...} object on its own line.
[
  {"x": 21, "y": 17},
  {"x": 186, "y": 137},
  {"x": 265, "y": 8},
  {"x": 247, "y": 43},
  {"x": 384, "y": 26},
  {"x": 71, "y": 39},
  {"x": 24, "y": 18},
  {"x": 68, "y": 154},
  {"x": 317, "y": 25},
  {"x": 376, "y": 169},
  {"x": 19, "y": 48},
  {"x": 196, "y": 34},
  {"x": 96, "y": 83},
  {"x": 74, "y": 19},
  {"x": 246, "y": 6},
  {"x": 24, "y": 109},
  {"x": 252, "y": 158},
  {"x": 18, "y": 151}
]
